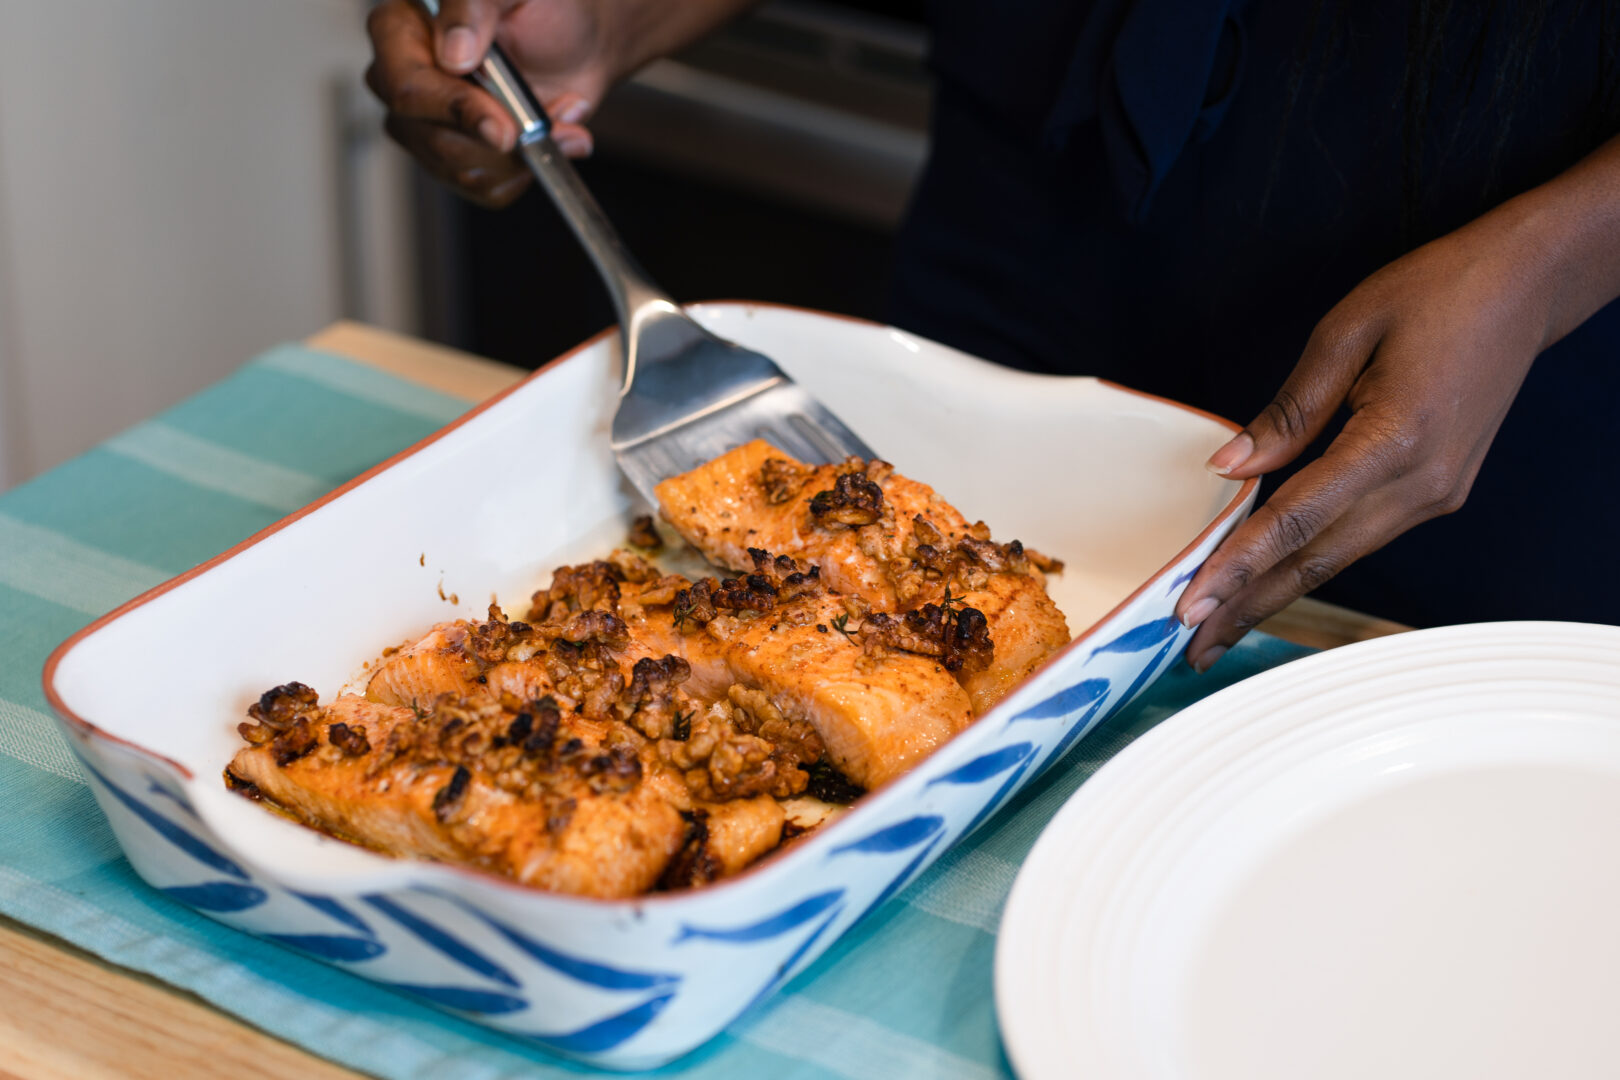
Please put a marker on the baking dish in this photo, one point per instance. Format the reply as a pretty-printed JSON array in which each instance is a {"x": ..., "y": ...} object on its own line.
[{"x": 1107, "y": 479}]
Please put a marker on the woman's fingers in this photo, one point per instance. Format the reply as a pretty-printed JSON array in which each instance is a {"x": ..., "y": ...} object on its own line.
[
  {"x": 1384, "y": 516},
  {"x": 482, "y": 173},
  {"x": 1332, "y": 360},
  {"x": 463, "y": 33},
  {"x": 406, "y": 77}
]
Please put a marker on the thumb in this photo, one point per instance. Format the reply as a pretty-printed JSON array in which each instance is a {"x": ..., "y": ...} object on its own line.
[
  {"x": 463, "y": 33},
  {"x": 1333, "y": 359}
]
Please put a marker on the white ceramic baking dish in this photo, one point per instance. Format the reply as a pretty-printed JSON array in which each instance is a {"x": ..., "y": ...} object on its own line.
[{"x": 1109, "y": 480}]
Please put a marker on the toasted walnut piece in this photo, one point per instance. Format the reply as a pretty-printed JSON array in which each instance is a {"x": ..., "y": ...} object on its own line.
[
  {"x": 618, "y": 770},
  {"x": 601, "y": 627},
  {"x": 660, "y": 591},
  {"x": 721, "y": 763},
  {"x": 295, "y": 742},
  {"x": 587, "y": 587},
  {"x": 644, "y": 534},
  {"x": 796, "y": 743},
  {"x": 278, "y": 707},
  {"x": 854, "y": 500},
  {"x": 783, "y": 480},
  {"x": 649, "y": 704},
  {"x": 492, "y": 640},
  {"x": 351, "y": 740},
  {"x": 958, "y": 638}
]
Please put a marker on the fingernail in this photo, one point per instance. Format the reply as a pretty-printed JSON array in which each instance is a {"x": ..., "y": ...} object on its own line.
[
  {"x": 1207, "y": 661},
  {"x": 1200, "y": 611},
  {"x": 1231, "y": 455},
  {"x": 460, "y": 48},
  {"x": 489, "y": 129},
  {"x": 574, "y": 111}
]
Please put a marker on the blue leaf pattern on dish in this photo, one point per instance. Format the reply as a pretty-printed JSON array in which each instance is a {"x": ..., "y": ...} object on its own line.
[
  {"x": 167, "y": 829},
  {"x": 155, "y": 788},
  {"x": 333, "y": 946},
  {"x": 1139, "y": 638},
  {"x": 606, "y": 1034},
  {"x": 218, "y": 895},
  {"x": 1066, "y": 702},
  {"x": 767, "y": 928},
  {"x": 586, "y": 971},
  {"x": 985, "y": 766},
  {"x": 1142, "y": 678},
  {"x": 327, "y": 906},
  {"x": 902, "y": 879},
  {"x": 1182, "y": 578},
  {"x": 463, "y": 999},
  {"x": 785, "y": 968},
  {"x": 898, "y": 837},
  {"x": 999, "y": 797},
  {"x": 1078, "y": 727},
  {"x": 443, "y": 941}
]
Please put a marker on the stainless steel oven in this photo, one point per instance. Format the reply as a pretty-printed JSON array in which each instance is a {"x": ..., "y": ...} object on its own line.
[{"x": 772, "y": 161}]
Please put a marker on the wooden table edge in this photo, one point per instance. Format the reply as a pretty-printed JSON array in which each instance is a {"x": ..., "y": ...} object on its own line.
[{"x": 83, "y": 1018}]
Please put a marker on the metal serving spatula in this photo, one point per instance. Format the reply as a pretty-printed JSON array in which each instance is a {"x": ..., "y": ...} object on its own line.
[{"x": 688, "y": 395}]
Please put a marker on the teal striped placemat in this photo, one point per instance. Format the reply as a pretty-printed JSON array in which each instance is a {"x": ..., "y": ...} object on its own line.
[{"x": 907, "y": 993}]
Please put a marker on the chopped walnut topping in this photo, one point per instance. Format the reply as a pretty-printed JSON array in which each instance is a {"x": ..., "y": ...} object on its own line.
[
  {"x": 853, "y": 500},
  {"x": 644, "y": 534},
  {"x": 650, "y": 704},
  {"x": 783, "y": 480},
  {"x": 351, "y": 740},
  {"x": 774, "y": 583},
  {"x": 632, "y": 567},
  {"x": 797, "y": 742},
  {"x": 587, "y": 587},
  {"x": 282, "y": 718},
  {"x": 721, "y": 760},
  {"x": 586, "y": 677},
  {"x": 658, "y": 592},
  {"x": 958, "y": 637}
]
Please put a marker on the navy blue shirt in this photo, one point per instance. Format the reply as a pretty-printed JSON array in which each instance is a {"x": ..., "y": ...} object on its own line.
[{"x": 1114, "y": 191}]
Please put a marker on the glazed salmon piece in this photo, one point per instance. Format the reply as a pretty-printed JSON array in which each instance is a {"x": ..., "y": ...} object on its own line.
[
  {"x": 876, "y": 535},
  {"x": 785, "y": 654},
  {"x": 1026, "y": 628},
  {"x": 438, "y": 663},
  {"x": 536, "y": 796},
  {"x": 756, "y": 496}
]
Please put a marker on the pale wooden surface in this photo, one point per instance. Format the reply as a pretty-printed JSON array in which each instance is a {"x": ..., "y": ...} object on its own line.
[{"x": 66, "y": 1015}]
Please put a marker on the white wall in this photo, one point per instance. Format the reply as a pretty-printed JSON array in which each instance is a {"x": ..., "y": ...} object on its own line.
[{"x": 168, "y": 203}]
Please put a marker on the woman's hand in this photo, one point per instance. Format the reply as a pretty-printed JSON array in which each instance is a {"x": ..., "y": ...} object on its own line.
[
  {"x": 1428, "y": 354},
  {"x": 461, "y": 134}
]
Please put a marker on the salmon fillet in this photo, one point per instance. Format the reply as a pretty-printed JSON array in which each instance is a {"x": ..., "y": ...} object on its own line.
[
  {"x": 545, "y": 798},
  {"x": 873, "y": 534},
  {"x": 782, "y": 655}
]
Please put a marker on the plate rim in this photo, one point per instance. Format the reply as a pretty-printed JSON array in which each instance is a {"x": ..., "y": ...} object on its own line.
[{"x": 1216, "y": 719}]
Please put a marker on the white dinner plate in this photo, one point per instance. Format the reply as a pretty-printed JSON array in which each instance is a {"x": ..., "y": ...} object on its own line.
[{"x": 1396, "y": 859}]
